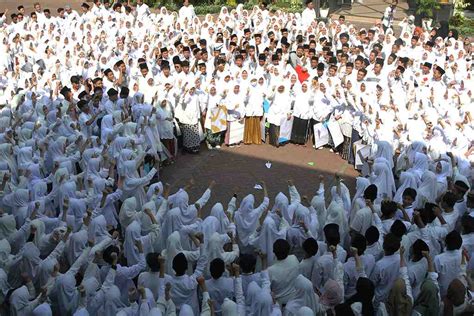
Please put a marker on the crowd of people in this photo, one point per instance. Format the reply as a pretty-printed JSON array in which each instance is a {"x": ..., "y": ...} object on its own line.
[{"x": 93, "y": 104}]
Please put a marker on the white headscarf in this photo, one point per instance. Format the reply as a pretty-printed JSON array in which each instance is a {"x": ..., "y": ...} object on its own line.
[
  {"x": 97, "y": 230},
  {"x": 305, "y": 311},
  {"x": 19, "y": 300},
  {"x": 128, "y": 212},
  {"x": 385, "y": 150},
  {"x": 427, "y": 191},
  {"x": 420, "y": 164},
  {"x": 4, "y": 285},
  {"x": 407, "y": 180},
  {"x": 132, "y": 234},
  {"x": 210, "y": 225},
  {"x": 7, "y": 225},
  {"x": 442, "y": 176},
  {"x": 305, "y": 296},
  {"x": 229, "y": 308},
  {"x": 113, "y": 303},
  {"x": 246, "y": 219},
  {"x": 215, "y": 246},
  {"x": 42, "y": 310},
  {"x": 77, "y": 243},
  {"x": 218, "y": 212},
  {"x": 383, "y": 178},
  {"x": 344, "y": 197},
  {"x": 336, "y": 215},
  {"x": 173, "y": 222},
  {"x": 173, "y": 247},
  {"x": 268, "y": 234},
  {"x": 68, "y": 295}
]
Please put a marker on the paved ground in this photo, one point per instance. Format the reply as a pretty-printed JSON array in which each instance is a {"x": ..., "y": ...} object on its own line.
[{"x": 239, "y": 169}]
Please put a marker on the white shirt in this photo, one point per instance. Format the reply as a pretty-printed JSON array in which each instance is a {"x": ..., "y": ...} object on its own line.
[
  {"x": 283, "y": 274},
  {"x": 308, "y": 16},
  {"x": 124, "y": 276},
  {"x": 448, "y": 266},
  {"x": 152, "y": 281},
  {"x": 384, "y": 275},
  {"x": 375, "y": 250},
  {"x": 450, "y": 218},
  {"x": 143, "y": 10},
  {"x": 362, "y": 220},
  {"x": 183, "y": 288},
  {"x": 351, "y": 275},
  {"x": 219, "y": 290},
  {"x": 417, "y": 272}
]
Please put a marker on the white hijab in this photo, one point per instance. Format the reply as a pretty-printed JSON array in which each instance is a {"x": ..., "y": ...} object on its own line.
[
  {"x": 128, "y": 212},
  {"x": 305, "y": 296},
  {"x": 113, "y": 303},
  {"x": 427, "y": 191},
  {"x": 68, "y": 295},
  {"x": 19, "y": 300},
  {"x": 383, "y": 178},
  {"x": 218, "y": 212},
  {"x": 268, "y": 234},
  {"x": 132, "y": 234},
  {"x": 407, "y": 180},
  {"x": 337, "y": 215},
  {"x": 246, "y": 219}
]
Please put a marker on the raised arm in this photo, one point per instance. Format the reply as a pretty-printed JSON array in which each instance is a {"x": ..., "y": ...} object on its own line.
[
  {"x": 206, "y": 195},
  {"x": 294, "y": 194},
  {"x": 202, "y": 261},
  {"x": 404, "y": 274}
]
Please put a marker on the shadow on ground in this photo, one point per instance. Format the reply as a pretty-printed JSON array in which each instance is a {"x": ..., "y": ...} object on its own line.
[{"x": 237, "y": 170}]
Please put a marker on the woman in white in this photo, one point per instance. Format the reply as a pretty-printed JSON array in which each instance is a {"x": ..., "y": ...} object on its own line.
[
  {"x": 358, "y": 200},
  {"x": 280, "y": 109},
  {"x": 235, "y": 102},
  {"x": 225, "y": 225},
  {"x": 382, "y": 177},
  {"x": 188, "y": 114},
  {"x": 428, "y": 189},
  {"x": 254, "y": 112},
  {"x": 148, "y": 241},
  {"x": 133, "y": 184},
  {"x": 20, "y": 303},
  {"x": 305, "y": 296},
  {"x": 166, "y": 127},
  {"x": 442, "y": 172},
  {"x": 302, "y": 113},
  {"x": 215, "y": 122},
  {"x": 407, "y": 180},
  {"x": 246, "y": 218},
  {"x": 173, "y": 247}
]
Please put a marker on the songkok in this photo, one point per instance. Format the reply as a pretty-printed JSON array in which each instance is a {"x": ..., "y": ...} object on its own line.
[
  {"x": 441, "y": 70},
  {"x": 176, "y": 60},
  {"x": 112, "y": 92},
  {"x": 64, "y": 91}
]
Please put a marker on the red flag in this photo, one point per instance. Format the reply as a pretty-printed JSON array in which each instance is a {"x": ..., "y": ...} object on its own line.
[{"x": 302, "y": 74}]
